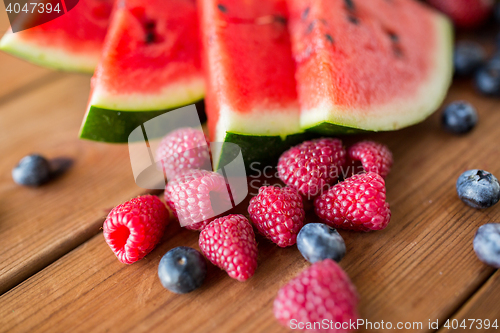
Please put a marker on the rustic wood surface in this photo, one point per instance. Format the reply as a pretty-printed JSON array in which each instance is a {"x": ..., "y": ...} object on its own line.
[{"x": 58, "y": 275}]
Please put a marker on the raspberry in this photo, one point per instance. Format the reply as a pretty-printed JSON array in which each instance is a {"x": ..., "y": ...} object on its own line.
[
  {"x": 322, "y": 291},
  {"x": 229, "y": 242},
  {"x": 312, "y": 165},
  {"x": 183, "y": 149},
  {"x": 278, "y": 214},
  {"x": 196, "y": 197},
  {"x": 133, "y": 228},
  {"x": 374, "y": 157},
  {"x": 358, "y": 203}
]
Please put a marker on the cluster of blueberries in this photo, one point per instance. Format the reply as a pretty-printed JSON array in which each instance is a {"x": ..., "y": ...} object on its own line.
[
  {"x": 470, "y": 59},
  {"x": 477, "y": 188}
]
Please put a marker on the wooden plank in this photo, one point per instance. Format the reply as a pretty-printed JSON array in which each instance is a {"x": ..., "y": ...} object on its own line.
[
  {"x": 39, "y": 225},
  {"x": 16, "y": 74},
  {"x": 421, "y": 268},
  {"x": 482, "y": 306},
  {"x": 4, "y": 19}
]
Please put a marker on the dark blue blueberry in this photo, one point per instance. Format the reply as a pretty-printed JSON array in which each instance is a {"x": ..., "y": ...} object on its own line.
[
  {"x": 317, "y": 241},
  {"x": 487, "y": 244},
  {"x": 459, "y": 117},
  {"x": 468, "y": 57},
  {"x": 182, "y": 269},
  {"x": 32, "y": 170},
  {"x": 478, "y": 188},
  {"x": 496, "y": 12},
  {"x": 487, "y": 78}
]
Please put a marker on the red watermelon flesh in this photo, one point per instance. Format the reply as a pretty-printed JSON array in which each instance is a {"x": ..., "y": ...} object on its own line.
[
  {"x": 70, "y": 42},
  {"x": 249, "y": 69},
  {"x": 151, "y": 60},
  {"x": 372, "y": 65},
  {"x": 151, "y": 63}
]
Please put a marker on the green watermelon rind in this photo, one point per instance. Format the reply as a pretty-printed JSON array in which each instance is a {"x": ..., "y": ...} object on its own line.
[
  {"x": 429, "y": 99},
  {"x": 109, "y": 119},
  {"x": 113, "y": 126},
  {"x": 47, "y": 56},
  {"x": 263, "y": 150}
]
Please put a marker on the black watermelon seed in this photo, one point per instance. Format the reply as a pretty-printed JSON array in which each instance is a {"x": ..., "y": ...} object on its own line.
[
  {"x": 305, "y": 13},
  {"x": 222, "y": 8},
  {"x": 310, "y": 27},
  {"x": 329, "y": 38},
  {"x": 353, "y": 19},
  {"x": 393, "y": 37},
  {"x": 349, "y": 4},
  {"x": 150, "y": 37},
  {"x": 280, "y": 19},
  {"x": 150, "y": 25}
]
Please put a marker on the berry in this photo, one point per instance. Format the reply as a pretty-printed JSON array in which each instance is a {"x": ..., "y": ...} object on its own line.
[
  {"x": 358, "y": 203},
  {"x": 312, "y": 165},
  {"x": 487, "y": 78},
  {"x": 465, "y": 13},
  {"x": 32, "y": 170},
  {"x": 317, "y": 241},
  {"x": 278, "y": 214},
  {"x": 321, "y": 292},
  {"x": 135, "y": 227},
  {"x": 182, "y": 270},
  {"x": 374, "y": 157},
  {"x": 459, "y": 117},
  {"x": 487, "y": 244},
  {"x": 467, "y": 57},
  {"x": 229, "y": 243},
  {"x": 478, "y": 188},
  {"x": 196, "y": 197},
  {"x": 183, "y": 149}
]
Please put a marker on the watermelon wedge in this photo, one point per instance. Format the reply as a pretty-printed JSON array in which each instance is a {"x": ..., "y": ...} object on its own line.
[
  {"x": 70, "y": 42},
  {"x": 251, "y": 98},
  {"x": 151, "y": 63},
  {"x": 373, "y": 65}
]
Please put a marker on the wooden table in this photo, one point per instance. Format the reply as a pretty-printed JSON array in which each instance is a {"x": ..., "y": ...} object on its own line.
[{"x": 58, "y": 275}]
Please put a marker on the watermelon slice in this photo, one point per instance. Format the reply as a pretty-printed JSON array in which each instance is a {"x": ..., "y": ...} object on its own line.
[
  {"x": 151, "y": 63},
  {"x": 251, "y": 98},
  {"x": 70, "y": 42},
  {"x": 372, "y": 65}
]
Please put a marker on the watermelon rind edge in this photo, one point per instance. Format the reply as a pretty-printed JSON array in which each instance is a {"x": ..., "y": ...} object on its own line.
[{"x": 47, "y": 56}]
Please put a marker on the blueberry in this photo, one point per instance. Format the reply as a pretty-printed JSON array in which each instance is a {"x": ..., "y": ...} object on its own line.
[
  {"x": 317, "y": 241},
  {"x": 478, "y": 188},
  {"x": 496, "y": 12},
  {"x": 32, "y": 170},
  {"x": 182, "y": 269},
  {"x": 468, "y": 57},
  {"x": 487, "y": 78},
  {"x": 459, "y": 117},
  {"x": 487, "y": 244}
]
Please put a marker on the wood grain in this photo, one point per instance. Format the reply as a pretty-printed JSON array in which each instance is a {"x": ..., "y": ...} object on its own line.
[
  {"x": 421, "y": 268},
  {"x": 18, "y": 76},
  {"x": 483, "y": 305},
  {"x": 39, "y": 225}
]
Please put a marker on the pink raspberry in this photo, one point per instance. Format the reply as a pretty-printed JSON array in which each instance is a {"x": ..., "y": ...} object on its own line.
[
  {"x": 229, "y": 243},
  {"x": 196, "y": 197},
  {"x": 322, "y": 291},
  {"x": 278, "y": 214},
  {"x": 135, "y": 227},
  {"x": 183, "y": 149},
  {"x": 312, "y": 165},
  {"x": 374, "y": 157},
  {"x": 358, "y": 203}
]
